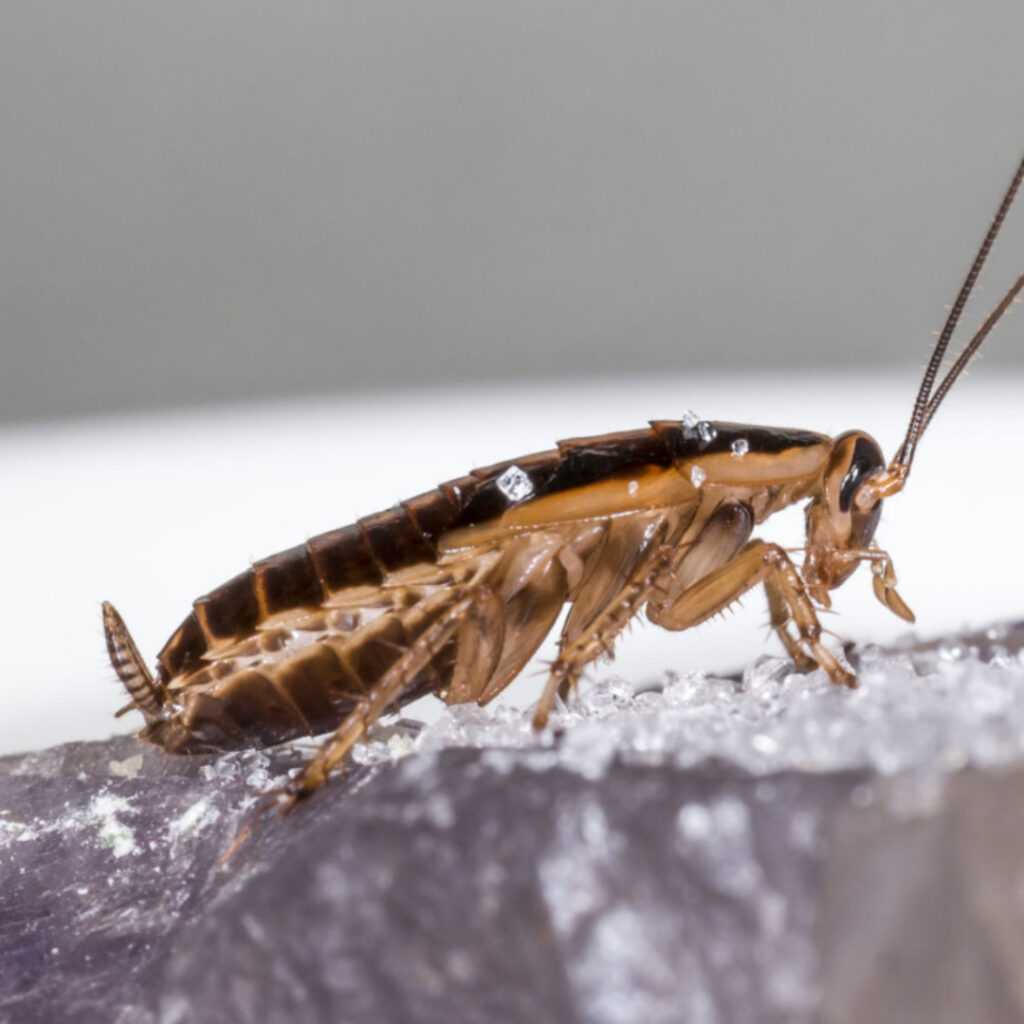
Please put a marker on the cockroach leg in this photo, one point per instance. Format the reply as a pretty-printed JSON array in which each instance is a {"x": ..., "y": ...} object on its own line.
[
  {"x": 883, "y": 582},
  {"x": 479, "y": 637},
  {"x": 386, "y": 691},
  {"x": 599, "y": 638},
  {"x": 883, "y": 577},
  {"x": 758, "y": 562},
  {"x": 781, "y": 617},
  {"x": 532, "y": 587},
  {"x": 561, "y": 680},
  {"x": 721, "y": 537}
]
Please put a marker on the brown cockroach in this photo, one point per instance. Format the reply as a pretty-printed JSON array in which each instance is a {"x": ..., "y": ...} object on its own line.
[{"x": 453, "y": 591}]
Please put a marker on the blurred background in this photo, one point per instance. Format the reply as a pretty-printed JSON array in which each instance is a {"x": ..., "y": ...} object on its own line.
[{"x": 267, "y": 267}]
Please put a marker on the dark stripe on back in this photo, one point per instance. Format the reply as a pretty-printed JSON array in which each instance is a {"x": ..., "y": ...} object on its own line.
[
  {"x": 586, "y": 460},
  {"x": 576, "y": 463},
  {"x": 493, "y": 486},
  {"x": 709, "y": 437}
]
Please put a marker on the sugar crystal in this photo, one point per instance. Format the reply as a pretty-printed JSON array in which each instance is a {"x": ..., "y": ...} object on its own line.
[
  {"x": 706, "y": 431},
  {"x": 515, "y": 484}
]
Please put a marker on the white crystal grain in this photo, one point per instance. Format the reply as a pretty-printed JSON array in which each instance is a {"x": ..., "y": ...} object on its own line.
[{"x": 515, "y": 484}]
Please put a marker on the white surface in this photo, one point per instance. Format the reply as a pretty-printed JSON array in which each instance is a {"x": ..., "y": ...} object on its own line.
[{"x": 152, "y": 511}]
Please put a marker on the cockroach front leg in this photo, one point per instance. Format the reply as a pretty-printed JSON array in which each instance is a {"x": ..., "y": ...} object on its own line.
[
  {"x": 883, "y": 580},
  {"x": 824, "y": 565},
  {"x": 757, "y": 562},
  {"x": 781, "y": 616},
  {"x": 478, "y": 612}
]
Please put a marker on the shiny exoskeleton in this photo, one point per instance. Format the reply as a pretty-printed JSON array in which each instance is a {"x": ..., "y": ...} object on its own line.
[{"x": 453, "y": 591}]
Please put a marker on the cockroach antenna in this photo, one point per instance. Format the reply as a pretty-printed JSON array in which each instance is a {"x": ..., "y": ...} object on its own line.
[{"x": 892, "y": 480}]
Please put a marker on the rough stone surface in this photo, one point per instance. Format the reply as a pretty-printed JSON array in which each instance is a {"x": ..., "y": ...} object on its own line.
[{"x": 765, "y": 849}]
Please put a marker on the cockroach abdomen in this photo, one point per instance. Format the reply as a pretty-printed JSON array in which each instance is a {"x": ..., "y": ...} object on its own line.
[
  {"x": 231, "y": 610},
  {"x": 342, "y": 558},
  {"x": 286, "y": 580},
  {"x": 395, "y": 540},
  {"x": 183, "y": 650}
]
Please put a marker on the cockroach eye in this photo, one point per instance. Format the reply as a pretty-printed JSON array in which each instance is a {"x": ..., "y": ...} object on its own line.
[{"x": 867, "y": 459}]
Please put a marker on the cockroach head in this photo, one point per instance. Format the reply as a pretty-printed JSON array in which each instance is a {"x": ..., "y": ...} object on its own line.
[
  {"x": 842, "y": 517},
  {"x": 836, "y": 518},
  {"x": 837, "y": 525},
  {"x": 856, "y": 461}
]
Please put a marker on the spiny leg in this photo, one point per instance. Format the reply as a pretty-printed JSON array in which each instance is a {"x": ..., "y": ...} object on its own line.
[
  {"x": 612, "y": 563},
  {"x": 574, "y": 654},
  {"x": 781, "y": 617},
  {"x": 758, "y": 562},
  {"x": 386, "y": 691},
  {"x": 721, "y": 538}
]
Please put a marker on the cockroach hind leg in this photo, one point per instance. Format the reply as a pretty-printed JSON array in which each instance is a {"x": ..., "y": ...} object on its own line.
[
  {"x": 559, "y": 685},
  {"x": 567, "y": 688},
  {"x": 129, "y": 666},
  {"x": 575, "y": 652},
  {"x": 280, "y": 799}
]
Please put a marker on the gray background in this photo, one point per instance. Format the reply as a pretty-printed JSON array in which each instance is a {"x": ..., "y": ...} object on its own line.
[{"x": 204, "y": 201}]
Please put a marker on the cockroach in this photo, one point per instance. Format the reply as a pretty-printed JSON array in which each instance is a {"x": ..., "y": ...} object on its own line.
[{"x": 452, "y": 592}]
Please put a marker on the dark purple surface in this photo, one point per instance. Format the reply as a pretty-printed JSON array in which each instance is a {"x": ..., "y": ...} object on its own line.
[{"x": 500, "y": 885}]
